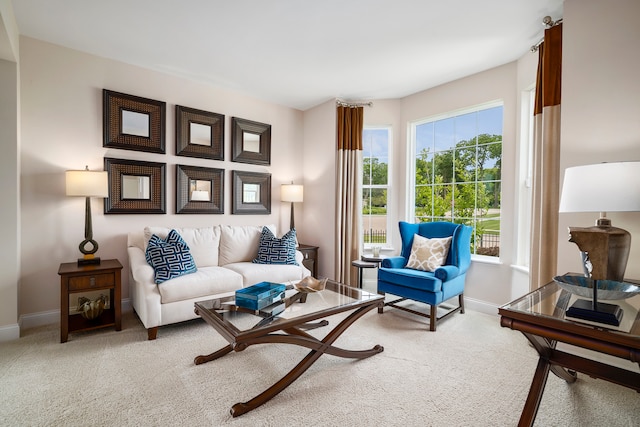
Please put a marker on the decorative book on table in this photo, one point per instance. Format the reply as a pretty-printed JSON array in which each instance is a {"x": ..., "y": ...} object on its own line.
[{"x": 260, "y": 295}]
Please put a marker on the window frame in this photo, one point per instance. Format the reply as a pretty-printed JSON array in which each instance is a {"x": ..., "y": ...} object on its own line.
[{"x": 411, "y": 160}]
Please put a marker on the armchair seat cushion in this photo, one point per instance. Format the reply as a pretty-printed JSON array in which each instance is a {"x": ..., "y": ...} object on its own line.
[{"x": 416, "y": 279}]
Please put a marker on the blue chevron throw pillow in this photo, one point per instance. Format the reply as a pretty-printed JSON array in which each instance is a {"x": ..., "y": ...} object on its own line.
[
  {"x": 169, "y": 257},
  {"x": 276, "y": 251}
]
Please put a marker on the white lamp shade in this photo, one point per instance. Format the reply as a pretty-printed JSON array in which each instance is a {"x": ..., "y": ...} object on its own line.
[
  {"x": 87, "y": 183},
  {"x": 603, "y": 187},
  {"x": 292, "y": 193}
]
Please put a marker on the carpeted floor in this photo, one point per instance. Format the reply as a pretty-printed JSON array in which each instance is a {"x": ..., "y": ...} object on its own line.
[{"x": 471, "y": 372}]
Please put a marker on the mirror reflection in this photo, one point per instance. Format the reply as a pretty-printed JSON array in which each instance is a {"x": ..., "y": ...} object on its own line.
[
  {"x": 199, "y": 190},
  {"x": 251, "y": 142},
  {"x": 250, "y": 193},
  {"x": 199, "y": 134},
  {"x": 134, "y": 123},
  {"x": 136, "y": 187}
]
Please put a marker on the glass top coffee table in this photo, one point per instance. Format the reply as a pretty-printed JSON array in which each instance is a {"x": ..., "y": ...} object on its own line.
[
  {"x": 243, "y": 327},
  {"x": 541, "y": 316}
]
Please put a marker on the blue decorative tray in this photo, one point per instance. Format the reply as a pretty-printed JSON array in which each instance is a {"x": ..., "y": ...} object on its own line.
[
  {"x": 607, "y": 289},
  {"x": 260, "y": 295}
]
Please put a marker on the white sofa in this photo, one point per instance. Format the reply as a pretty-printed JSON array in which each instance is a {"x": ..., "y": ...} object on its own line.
[{"x": 222, "y": 255}]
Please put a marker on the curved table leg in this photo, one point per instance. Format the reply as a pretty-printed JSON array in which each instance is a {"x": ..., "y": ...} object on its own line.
[
  {"x": 213, "y": 356},
  {"x": 323, "y": 346}
]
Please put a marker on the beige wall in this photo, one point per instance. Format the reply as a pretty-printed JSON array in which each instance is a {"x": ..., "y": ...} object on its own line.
[
  {"x": 319, "y": 170},
  {"x": 9, "y": 173},
  {"x": 62, "y": 129},
  {"x": 600, "y": 105}
]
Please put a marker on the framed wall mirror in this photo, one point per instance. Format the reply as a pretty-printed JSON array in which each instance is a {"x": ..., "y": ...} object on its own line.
[
  {"x": 251, "y": 193},
  {"x": 199, "y": 133},
  {"x": 251, "y": 142},
  {"x": 199, "y": 190},
  {"x": 133, "y": 123},
  {"x": 135, "y": 187}
]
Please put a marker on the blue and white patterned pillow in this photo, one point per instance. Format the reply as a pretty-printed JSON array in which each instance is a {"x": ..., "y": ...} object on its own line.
[
  {"x": 276, "y": 251},
  {"x": 170, "y": 257}
]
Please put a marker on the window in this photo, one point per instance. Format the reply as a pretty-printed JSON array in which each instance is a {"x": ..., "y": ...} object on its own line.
[
  {"x": 457, "y": 172},
  {"x": 375, "y": 185}
]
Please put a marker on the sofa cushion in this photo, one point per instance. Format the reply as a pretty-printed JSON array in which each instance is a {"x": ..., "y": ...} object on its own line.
[
  {"x": 277, "y": 273},
  {"x": 428, "y": 254},
  {"x": 409, "y": 278},
  {"x": 240, "y": 243},
  {"x": 169, "y": 257},
  {"x": 273, "y": 250},
  {"x": 206, "y": 281},
  {"x": 203, "y": 242}
]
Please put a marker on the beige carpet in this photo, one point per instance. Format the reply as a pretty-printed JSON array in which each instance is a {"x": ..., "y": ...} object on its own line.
[{"x": 471, "y": 372}]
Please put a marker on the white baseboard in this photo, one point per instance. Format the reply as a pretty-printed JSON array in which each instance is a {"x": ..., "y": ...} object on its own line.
[
  {"x": 34, "y": 320},
  {"x": 9, "y": 332},
  {"x": 480, "y": 306}
]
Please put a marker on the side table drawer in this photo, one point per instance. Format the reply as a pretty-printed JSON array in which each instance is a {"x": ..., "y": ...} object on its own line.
[{"x": 91, "y": 282}]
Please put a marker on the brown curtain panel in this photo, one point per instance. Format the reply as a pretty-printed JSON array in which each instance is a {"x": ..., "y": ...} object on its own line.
[
  {"x": 349, "y": 159},
  {"x": 546, "y": 161}
]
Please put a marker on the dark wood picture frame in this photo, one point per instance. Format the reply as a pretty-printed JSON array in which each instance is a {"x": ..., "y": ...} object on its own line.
[
  {"x": 192, "y": 137},
  {"x": 251, "y": 193},
  {"x": 250, "y": 141},
  {"x": 135, "y": 187},
  {"x": 133, "y": 123},
  {"x": 194, "y": 179}
]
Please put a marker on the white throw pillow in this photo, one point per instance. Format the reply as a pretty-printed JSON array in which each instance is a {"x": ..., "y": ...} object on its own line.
[{"x": 428, "y": 254}]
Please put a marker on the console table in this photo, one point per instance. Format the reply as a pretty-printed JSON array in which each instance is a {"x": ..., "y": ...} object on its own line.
[{"x": 540, "y": 316}]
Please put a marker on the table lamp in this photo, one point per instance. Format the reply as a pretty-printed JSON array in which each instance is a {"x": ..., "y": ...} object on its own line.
[
  {"x": 294, "y": 194},
  {"x": 87, "y": 184},
  {"x": 604, "y": 249}
]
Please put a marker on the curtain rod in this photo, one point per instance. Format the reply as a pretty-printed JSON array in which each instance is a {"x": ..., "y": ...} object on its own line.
[
  {"x": 340, "y": 103},
  {"x": 549, "y": 22}
]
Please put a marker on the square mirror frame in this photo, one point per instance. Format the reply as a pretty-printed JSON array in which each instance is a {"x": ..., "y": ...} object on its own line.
[
  {"x": 114, "y": 103},
  {"x": 262, "y": 207},
  {"x": 184, "y": 117},
  {"x": 115, "y": 204},
  {"x": 239, "y": 154},
  {"x": 185, "y": 174}
]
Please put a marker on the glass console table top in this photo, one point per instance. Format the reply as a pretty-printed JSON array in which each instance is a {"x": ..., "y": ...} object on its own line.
[{"x": 550, "y": 302}]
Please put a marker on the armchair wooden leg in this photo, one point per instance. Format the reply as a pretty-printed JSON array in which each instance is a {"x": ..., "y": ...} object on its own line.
[
  {"x": 381, "y": 306},
  {"x": 461, "y": 301},
  {"x": 432, "y": 318}
]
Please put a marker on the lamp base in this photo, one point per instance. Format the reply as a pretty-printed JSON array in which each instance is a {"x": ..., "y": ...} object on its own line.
[
  {"x": 89, "y": 261},
  {"x": 609, "y": 314}
]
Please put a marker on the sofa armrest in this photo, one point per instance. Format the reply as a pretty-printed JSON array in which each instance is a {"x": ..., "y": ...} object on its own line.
[
  {"x": 143, "y": 291},
  {"x": 447, "y": 272},
  {"x": 394, "y": 262}
]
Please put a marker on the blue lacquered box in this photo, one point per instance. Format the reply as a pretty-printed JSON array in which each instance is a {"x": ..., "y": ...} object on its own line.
[{"x": 260, "y": 295}]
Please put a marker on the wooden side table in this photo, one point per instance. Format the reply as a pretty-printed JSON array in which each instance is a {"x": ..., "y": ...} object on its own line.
[
  {"x": 310, "y": 254},
  {"x": 76, "y": 279}
]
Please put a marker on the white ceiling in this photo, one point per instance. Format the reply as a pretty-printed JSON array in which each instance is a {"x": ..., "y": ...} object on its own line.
[{"x": 298, "y": 53}]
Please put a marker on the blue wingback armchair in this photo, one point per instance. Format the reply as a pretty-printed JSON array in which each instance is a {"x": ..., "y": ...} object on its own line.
[{"x": 431, "y": 288}]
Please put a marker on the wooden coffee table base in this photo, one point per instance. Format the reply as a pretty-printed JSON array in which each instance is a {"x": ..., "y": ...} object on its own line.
[{"x": 297, "y": 336}]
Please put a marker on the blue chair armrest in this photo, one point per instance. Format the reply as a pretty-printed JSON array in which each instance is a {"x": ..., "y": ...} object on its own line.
[
  {"x": 393, "y": 262},
  {"x": 447, "y": 272}
]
